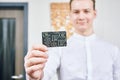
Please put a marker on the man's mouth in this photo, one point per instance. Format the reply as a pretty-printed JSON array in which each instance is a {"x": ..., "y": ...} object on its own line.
[{"x": 81, "y": 23}]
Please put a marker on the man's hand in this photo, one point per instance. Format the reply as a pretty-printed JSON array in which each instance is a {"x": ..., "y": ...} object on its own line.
[{"x": 35, "y": 62}]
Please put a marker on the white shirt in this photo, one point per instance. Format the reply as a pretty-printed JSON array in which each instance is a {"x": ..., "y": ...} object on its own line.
[{"x": 84, "y": 58}]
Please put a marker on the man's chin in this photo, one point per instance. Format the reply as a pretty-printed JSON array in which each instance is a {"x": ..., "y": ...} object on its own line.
[{"x": 82, "y": 29}]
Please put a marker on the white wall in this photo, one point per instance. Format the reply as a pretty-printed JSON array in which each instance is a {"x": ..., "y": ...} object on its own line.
[{"x": 107, "y": 23}]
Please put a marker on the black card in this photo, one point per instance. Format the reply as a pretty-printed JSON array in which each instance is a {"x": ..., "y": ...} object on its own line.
[{"x": 54, "y": 39}]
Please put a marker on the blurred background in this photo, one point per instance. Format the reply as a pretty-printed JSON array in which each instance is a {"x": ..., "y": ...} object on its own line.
[{"x": 22, "y": 21}]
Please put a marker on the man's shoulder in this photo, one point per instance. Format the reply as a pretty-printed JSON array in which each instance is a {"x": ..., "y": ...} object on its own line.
[{"x": 106, "y": 43}]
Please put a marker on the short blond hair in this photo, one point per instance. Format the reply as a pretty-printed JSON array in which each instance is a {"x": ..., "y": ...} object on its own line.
[{"x": 91, "y": 0}]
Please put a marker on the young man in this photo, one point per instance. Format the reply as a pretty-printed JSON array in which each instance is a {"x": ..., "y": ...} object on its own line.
[{"x": 86, "y": 57}]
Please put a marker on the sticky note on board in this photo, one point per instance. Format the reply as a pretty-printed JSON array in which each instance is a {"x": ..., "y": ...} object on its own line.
[{"x": 54, "y": 39}]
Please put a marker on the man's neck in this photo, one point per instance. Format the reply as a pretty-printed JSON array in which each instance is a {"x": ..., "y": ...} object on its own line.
[{"x": 85, "y": 33}]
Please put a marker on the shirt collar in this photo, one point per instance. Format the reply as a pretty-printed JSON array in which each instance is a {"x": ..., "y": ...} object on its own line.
[{"x": 85, "y": 38}]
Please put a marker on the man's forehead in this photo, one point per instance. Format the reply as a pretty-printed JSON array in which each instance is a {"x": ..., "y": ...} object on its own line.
[
  {"x": 86, "y": 1},
  {"x": 81, "y": 0},
  {"x": 86, "y": 4}
]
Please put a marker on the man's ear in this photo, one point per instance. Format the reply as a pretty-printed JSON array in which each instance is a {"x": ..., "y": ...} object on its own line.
[
  {"x": 70, "y": 15},
  {"x": 95, "y": 13}
]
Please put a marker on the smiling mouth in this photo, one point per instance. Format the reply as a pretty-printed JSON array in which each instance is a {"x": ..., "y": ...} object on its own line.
[{"x": 81, "y": 23}]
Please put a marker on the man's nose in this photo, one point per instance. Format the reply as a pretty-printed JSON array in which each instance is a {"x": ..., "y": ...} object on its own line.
[{"x": 81, "y": 16}]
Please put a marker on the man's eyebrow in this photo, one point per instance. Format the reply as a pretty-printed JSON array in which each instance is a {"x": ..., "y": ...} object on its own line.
[{"x": 87, "y": 9}]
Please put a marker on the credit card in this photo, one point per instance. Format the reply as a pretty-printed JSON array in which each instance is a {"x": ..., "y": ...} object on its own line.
[{"x": 54, "y": 39}]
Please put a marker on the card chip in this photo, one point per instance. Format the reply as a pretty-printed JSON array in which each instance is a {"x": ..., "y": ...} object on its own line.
[{"x": 54, "y": 39}]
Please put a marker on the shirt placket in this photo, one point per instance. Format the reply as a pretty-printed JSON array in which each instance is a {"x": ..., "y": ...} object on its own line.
[{"x": 89, "y": 59}]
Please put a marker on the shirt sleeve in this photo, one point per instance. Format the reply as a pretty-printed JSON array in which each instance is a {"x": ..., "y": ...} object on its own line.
[
  {"x": 52, "y": 64},
  {"x": 116, "y": 66}
]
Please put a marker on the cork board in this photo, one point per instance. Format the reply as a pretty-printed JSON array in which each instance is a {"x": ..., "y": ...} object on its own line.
[{"x": 60, "y": 19}]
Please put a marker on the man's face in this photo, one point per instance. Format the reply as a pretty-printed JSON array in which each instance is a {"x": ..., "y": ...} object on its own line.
[{"x": 82, "y": 15}]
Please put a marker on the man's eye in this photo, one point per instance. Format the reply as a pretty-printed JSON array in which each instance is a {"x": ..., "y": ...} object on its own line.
[
  {"x": 86, "y": 11},
  {"x": 76, "y": 12}
]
